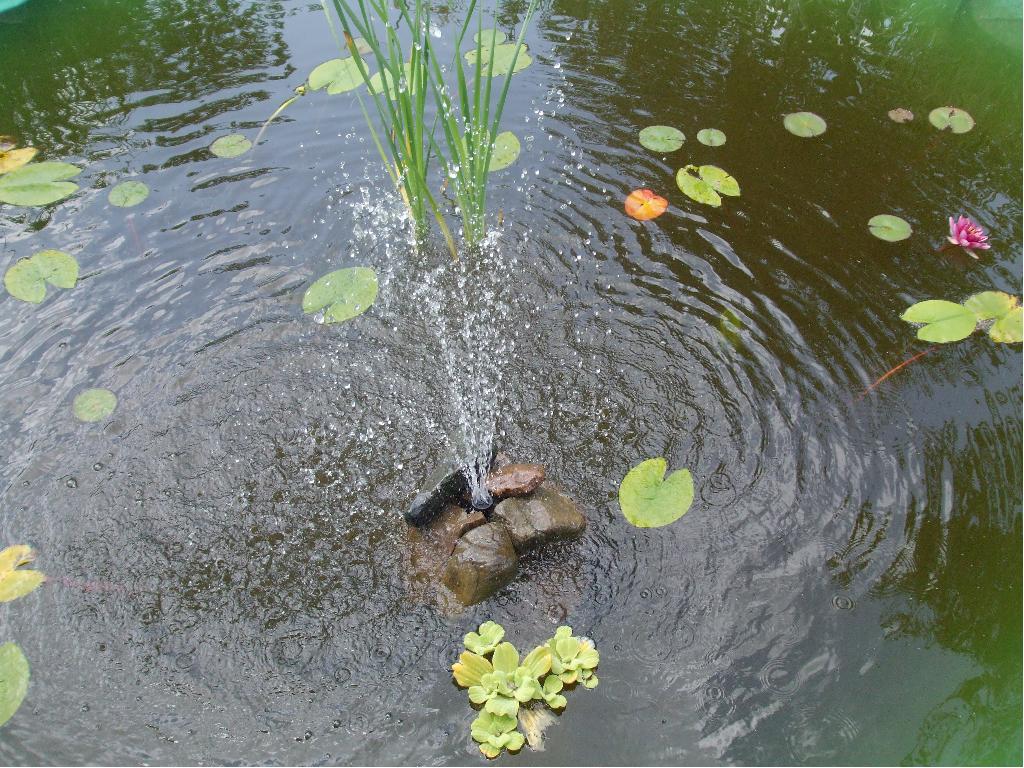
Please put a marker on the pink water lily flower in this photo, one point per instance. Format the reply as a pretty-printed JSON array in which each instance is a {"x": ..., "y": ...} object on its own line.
[{"x": 967, "y": 234}]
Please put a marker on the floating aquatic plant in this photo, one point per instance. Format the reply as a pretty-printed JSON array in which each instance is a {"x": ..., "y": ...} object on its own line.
[
  {"x": 94, "y": 404},
  {"x": 706, "y": 184},
  {"x": 649, "y": 499},
  {"x": 900, "y": 115},
  {"x": 951, "y": 119},
  {"x": 506, "y": 150},
  {"x": 335, "y": 76},
  {"x": 232, "y": 145},
  {"x": 644, "y": 205},
  {"x": 505, "y": 59},
  {"x": 509, "y": 690},
  {"x": 16, "y": 581},
  {"x": 661, "y": 138},
  {"x": 26, "y": 279},
  {"x": 968, "y": 235},
  {"x": 128, "y": 193},
  {"x": 887, "y": 227},
  {"x": 342, "y": 294},
  {"x": 943, "y": 322},
  {"x": 38, "y": 183},
  {"x": 804, "y": 124},
  {"x": 14, "y": 676},
  {"x": 711, "y": 137},
  {"x": 12, "y": 157}
]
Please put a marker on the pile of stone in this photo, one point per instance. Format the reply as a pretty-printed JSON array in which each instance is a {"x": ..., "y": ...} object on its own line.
[{"x": 468, "y": 554}]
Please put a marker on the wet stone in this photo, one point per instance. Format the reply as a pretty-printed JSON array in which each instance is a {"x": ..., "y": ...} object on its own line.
[
  {"x": 515, "y": 480},
  {"x": 483, "y": 562},
  {"x": 544, "y": 515},
  {"x": 431, "y": 544},
  {"x": 443, "y": 486}
]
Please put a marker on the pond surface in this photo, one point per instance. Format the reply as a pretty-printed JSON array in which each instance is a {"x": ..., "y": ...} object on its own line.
[{"x": 225, "y": 552}]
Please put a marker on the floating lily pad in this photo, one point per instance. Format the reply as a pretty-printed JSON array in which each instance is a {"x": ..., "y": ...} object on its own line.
[
  {"x": 15, "y": 158},
  {"x": 804, "y": 124},
  {"x": 27, "y": 278},
  {"x": 342, "y": 294},
  {"x": 649, "y": 499},
  {"x": 1009, "y": 329},
  {"x": 991, "y": 305},
  {"x": 696, "y": 188},
  {"x": 944, "y": 321},
  {"x": 15, "y": 581},
  {"x": 14, "y": 675},
  {"x": 94, "y": 405},
  {"x": 506, "y": 150},
  {"x": 232, "y": 145},
  {"x": 884, "y": 226},
  {"x": 711, "y": 137},
  {"x": 644, "y": 205},
  {"x": 503, "y": 55},
  {"x": 719, "y": 180},
  {"x": 489, "y": 37},
  {"x": 952, "y": 119},
  {"x": 378, "y": 78},
  {"x": 901, "y": 115},
  {"x": 661, "y": 138},
  {"x": 38, "y": 183},
  {"x": 730, "y": 325},
  {"x": 362, "y": 47},
  {"x": 336, "y": 75},
  {"x": 128, "y": 193}
]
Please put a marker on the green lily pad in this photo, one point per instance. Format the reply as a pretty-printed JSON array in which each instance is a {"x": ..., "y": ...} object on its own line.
[
  {"x": 506, "y": 150},
  {"x": 719, "y": 180},
  {"x": 342, "y": 294},
  {"x": 94, "y": 405},
  {"x": 711, "y": 137},
  {"x": 944, "y": 321},
  {"x": 336, "y": 75},
  {"x": 661, "y": 138},
  {"x": 503, "y": 55},
  {"x": 730, "y": 325},
  {"x": 15, "y": 581},
  {"x": 379, "y": 78},
  {"x": 804, "y": 124},
  {"x": 1009, "y": 329},
  {"x": 27, "y": 278},
  {"x": 696, "y": 188},
  {"x": 14, "y": 674},
  {"x": 649, "y": 499},
  {"x": 128, "y": 193},
  {"x": 887, "y": 227},
  {"x": 991, "y": 305},
  {"x": 38, "y": 183},
  {"x": 232, "y": 145},
  {"x": 951, "y": 119},
  {"x": 489, "y": 37}
]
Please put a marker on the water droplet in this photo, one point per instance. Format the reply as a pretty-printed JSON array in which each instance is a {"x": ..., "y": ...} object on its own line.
[
  {"x": 98, "y": 466},
  {"x": 71, "y": 483}
]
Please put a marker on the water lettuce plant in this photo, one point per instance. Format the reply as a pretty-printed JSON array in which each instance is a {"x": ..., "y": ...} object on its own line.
[{"x": 508, "y": 689}]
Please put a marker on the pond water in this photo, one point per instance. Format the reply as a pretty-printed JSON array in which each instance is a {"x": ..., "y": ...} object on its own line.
[{"x": 225, "y": 552}]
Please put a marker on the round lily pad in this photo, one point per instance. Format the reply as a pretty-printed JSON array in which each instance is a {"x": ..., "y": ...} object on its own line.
[
  {"x": 94, "y": 405},
  {"x": 27, "y": 278},
  {"x": 719, "y": 180},
  {"x": 489, "y": 37},
  {"x": 696, "y": 188},
  {"x": 901, "y": 115},
  {"x": 648, "y": 499},
  {"x": 342, "y": 294},
  {"x": 661, "y": 138},
  {"x": 506, "y": 150},
  {"x": 991, "y": 305},
  {"x": 711, "y": 137},
  {"x": 15, "y": 158},
  {"x": 38, "y": 183},
  {"x": 503, "y": 55},
  {"x": 804, "y": 124},
  {"x": 884, "y": 226},
  {"x": 379, "y": 78},
  {"x": 644, "y": 205},
  {"x": 952, "y": 119},
  {"x": 1009, "y": 329},
  {"x": 16, "y": 581},
  {"x": 944, "y": 321},
  {"x": 232, "y": 145},
  {"x": 128, "y": 193},
  {"x": 14, "y": 674},
  {"x": 336, "y": 75}
]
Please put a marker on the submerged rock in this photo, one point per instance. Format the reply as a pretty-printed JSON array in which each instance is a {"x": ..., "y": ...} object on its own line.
[
  {"x": 544, "y": 515},
  {"x": 483, "y": 562},
  {"x": 515, "y": 480}
]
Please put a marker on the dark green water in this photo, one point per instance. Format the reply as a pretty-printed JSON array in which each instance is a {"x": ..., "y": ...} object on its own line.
[{"x": 225, "y": 552}]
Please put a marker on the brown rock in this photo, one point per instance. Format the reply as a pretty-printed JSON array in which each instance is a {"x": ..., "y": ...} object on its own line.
[
  {"x": 430, "y": 546},
  {"x": 515, "y": 480},
  {"x": 483, "y": 562},
  {"x": 544, "y": 515}
]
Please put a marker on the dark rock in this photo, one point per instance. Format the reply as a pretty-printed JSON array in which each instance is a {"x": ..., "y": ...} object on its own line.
[
  {"x": 515, "y": 480},
  {"x": 430, "y": 545},
  {"x": 443, "y": 486},
  {"x": 544, "y": 515},
  {"x": 483, "y": 562}
]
